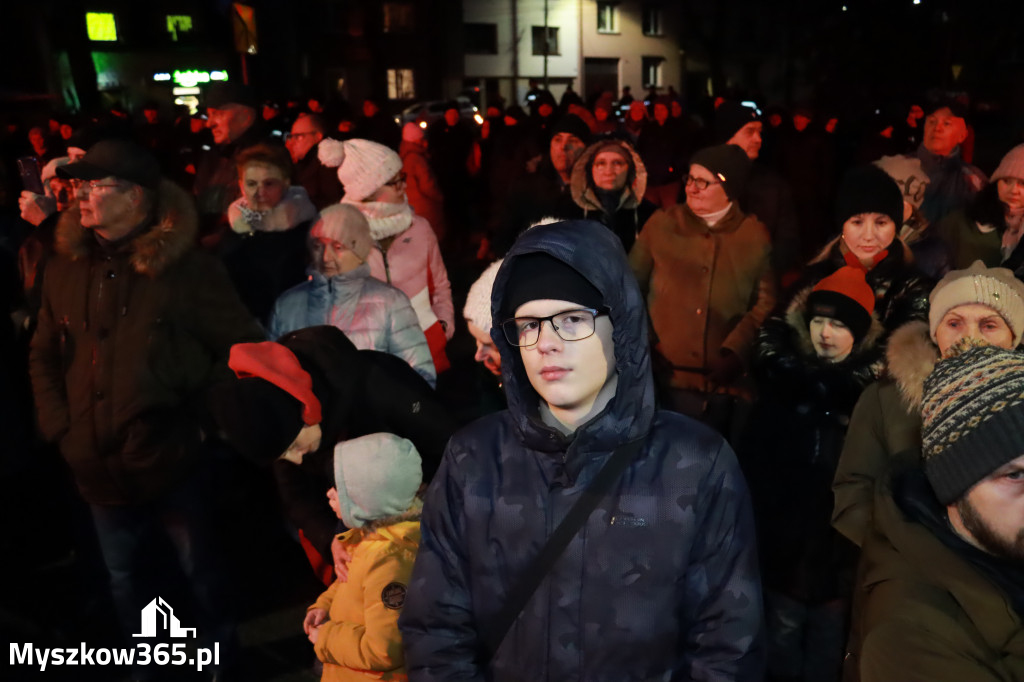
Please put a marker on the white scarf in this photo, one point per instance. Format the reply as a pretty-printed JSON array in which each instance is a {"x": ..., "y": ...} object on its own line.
[
  {"x": 712, "y": 218},
  {"x": 293, "y": 209},
  {"x": 386, "y": 220}
]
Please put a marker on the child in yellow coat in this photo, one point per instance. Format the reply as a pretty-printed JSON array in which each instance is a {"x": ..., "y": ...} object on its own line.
[{"x": 354, "y": 624}]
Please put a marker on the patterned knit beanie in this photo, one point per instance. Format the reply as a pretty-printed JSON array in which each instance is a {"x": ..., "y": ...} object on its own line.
[
  {"x": 363, "y": 166},
  {"x": 1012, "y": 165},
  {"x": 995, "y": 287},
  {"x": 376, "y": 476},
  {"x": 846, "y": 296},
  {"x": 909, "y": 175},
  {"x": 346, "y": 224},
  {"x": 973, "y": 416}
]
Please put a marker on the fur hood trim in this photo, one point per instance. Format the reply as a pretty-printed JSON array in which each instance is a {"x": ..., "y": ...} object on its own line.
[
  {"x": 583, "y": 194},
  {"x": 796, "y": 319},
  {"x": 911, "y": 356},
  {"x": 171, "y": 235}
]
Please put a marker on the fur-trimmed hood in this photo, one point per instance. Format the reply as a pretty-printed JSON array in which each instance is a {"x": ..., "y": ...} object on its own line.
[
  {"x": 582, "y": 189},
  {"x": 171, "y": 235},
  {"x": 796, "y": 318},
  {"x": 910, "y": 357}
]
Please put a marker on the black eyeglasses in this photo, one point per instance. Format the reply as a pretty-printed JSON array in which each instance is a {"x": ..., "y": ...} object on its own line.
[
  {"x": 570, "y": 325},
  {"x": 292, "y": 136},
  {"x": 700, "y": 183}
]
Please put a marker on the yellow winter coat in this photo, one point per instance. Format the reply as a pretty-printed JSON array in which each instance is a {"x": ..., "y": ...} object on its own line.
[{"x": 360, "y": 641}]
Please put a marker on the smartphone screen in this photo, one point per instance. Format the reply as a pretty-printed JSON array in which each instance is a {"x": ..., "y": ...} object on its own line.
[{"x": 31, "y": 178}]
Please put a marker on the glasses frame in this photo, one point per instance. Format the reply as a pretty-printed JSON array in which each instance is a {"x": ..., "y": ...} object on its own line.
[
  {"x": 91, "y": 185},
  {"x": 290, "y": 136},
  {"x": 700, "y": 183},
  {"x": 399, "y": 181},
  {"x": 550, "y": 318}
]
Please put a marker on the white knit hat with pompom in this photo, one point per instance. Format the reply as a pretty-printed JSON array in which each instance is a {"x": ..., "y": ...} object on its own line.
[
  {"x": 363, "y": 166},
  {"x": 478, "y": 300}
]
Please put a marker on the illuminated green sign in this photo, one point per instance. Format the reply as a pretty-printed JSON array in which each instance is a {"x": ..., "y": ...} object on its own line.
[
  {"x": 101, "y": 26},
  {"x": 191, "y": 78},
  {"x": 178, "y": 22}
]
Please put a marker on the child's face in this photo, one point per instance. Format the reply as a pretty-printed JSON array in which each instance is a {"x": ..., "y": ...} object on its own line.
[
  {"x": 833, "y": 340},
  {"x": 332, "y": 499}
]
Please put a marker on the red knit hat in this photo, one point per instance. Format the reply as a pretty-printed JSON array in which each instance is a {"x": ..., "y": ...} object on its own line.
[
  {"x": 846, "y": 296},
  {"x": 276, "y": 364}
]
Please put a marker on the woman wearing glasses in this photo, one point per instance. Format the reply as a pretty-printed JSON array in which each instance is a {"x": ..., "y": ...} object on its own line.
[
  {"x": 703, "y": 267},
  {"x": 407, "y": 255}
]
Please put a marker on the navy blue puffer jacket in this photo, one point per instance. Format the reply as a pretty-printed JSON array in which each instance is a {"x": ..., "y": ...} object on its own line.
[{"x": 661, "y": 582}]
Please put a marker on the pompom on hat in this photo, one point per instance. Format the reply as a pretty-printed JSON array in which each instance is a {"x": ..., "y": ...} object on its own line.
[
  {"x": 972, "y": 416},
  {"x": 376, "y": 476},
  {"x": 363, "y": 166},
  {"x": 996, "y": 288}
]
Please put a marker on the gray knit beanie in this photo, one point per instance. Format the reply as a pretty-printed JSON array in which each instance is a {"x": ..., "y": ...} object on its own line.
[
  {"x": 996, "y": 288},
  {"x": 973, "y": 416}
]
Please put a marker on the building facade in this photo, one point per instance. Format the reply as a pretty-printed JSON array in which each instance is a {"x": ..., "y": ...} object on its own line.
[{"x": 592, "y": 46}]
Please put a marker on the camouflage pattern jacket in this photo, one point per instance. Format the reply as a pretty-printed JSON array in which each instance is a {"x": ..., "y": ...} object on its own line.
[{"x": 661, "y": 582}]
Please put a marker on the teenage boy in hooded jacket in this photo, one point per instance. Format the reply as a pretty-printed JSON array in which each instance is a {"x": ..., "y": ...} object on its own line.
[{"x": 661, "y": 581}]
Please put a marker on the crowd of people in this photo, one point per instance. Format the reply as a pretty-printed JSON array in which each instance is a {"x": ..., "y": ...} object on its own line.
[{"x": 746, "y": 400}]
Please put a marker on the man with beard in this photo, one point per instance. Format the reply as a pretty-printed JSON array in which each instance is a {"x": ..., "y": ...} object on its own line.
[{"x": 941, "y": 594}]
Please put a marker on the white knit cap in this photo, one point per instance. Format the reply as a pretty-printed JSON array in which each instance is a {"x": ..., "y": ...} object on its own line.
[
  {"x": 908, "y": 174},
  {"x": 996, "y": 288},
  {"x": 1012, "y": 165},
  {"x": 412, "y": 132},
  {"x": 478, "y": 300},
  {"x": 377, "y": 476},
  {"x": 363, "y": 166},
  {"x": 346, "y": 224}
]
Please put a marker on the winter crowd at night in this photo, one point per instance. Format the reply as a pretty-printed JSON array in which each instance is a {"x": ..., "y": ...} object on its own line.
[{"x": 616, "y": 387}]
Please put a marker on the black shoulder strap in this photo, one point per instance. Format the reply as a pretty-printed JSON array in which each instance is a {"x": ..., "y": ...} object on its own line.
[{"x": 531, "y": 578}]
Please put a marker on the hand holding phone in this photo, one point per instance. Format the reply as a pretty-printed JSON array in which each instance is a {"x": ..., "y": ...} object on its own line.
[{"x": 31, "y": 177}]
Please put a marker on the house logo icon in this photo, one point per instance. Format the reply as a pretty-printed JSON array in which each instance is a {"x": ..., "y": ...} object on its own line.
[{"x": 158, "y": 615}]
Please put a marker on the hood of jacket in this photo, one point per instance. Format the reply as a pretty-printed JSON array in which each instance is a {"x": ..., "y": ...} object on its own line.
[
  {"x": 796, "y": 318},
  {"x": 582, "y": 190},
  {"x": 596, "y": 253},
  {"x": 910, "y": 358},
  {"x": 170, "y": 236},
  {"x": 835, "y": 252}
]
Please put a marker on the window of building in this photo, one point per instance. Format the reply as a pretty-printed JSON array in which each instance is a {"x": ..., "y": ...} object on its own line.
[
  {"x": 400, "y": 84},
  {"x": 607, "y": 17},
  {"x": 481, "y": 38},
  {"x": 101, "y": 26},
  {"x": 552, "y": 40},
  {"x": 652, "y": 20},
  {"x": 651, "y": 68},
  {"x": 399, "y": 17},
  {"x": 178, "y": 24}
]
